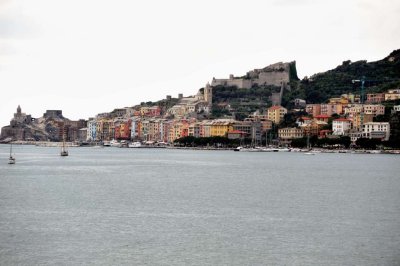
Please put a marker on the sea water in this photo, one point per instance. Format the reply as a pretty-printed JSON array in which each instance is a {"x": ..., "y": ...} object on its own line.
[{"x": 115, "y": 206}]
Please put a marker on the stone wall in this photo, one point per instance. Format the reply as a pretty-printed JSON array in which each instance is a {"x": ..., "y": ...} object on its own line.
[{"x": 276, "y": 74}]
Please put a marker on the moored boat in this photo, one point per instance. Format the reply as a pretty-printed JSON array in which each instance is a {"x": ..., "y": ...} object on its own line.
[
  {"x": 135, "y": 144},
  {"x": 11, "y": 159}
]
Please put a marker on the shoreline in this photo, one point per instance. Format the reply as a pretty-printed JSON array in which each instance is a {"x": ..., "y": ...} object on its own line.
[{"x": 316, "y": 150}]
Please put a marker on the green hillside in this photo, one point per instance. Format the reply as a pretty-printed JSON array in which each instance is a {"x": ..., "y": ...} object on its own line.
[{"x": 379, "y": 76}]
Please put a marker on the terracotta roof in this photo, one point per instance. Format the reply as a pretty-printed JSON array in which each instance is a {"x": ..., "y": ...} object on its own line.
[
  {"x": 342, "y": 120},
  {"x": 321, "y": 116},
  {"x": 275, "y": 107}
]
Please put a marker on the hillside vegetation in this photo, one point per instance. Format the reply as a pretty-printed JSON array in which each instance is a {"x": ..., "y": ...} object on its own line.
[{"x": 379, "y": 76}]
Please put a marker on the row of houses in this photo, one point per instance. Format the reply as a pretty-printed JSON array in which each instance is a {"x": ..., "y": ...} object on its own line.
[
  {"x": 390, "y": 95},
  {"x": 147, "y": 124},
  {"x": 340, "y": 127},
  {"x": 165, "y": 130},
  {"x": 371, "y": 98},
  {"x": 344, "y": 109},
  {"x": 356, "y": 123}
]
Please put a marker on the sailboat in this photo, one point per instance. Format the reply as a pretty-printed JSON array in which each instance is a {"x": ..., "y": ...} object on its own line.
[
  {"x": 64, "y": 151},
  {"x": 11, "y": 160},
  {"x": 309, "y": 149}
]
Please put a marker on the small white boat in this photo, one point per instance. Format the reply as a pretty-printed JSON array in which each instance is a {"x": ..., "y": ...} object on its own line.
[
  {"x": 115, "y": 143},
  {"x": 238, "y": 148},
  {"x": 136, "y": 144}
]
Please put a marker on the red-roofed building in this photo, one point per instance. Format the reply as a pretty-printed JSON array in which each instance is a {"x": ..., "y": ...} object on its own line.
[
  {"x": 324, "y": 133},
  {"x": 323, "y": 118},
  {"x": 236, "y": 134},
  {"x": 304, "y": 120}
]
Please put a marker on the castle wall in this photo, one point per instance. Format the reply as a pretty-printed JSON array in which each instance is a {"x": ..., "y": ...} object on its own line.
[
  {"x": 272, "y": 78},
  {"x": 275, "y": 74},
  {"x": 240, "y": 83},
  {"x": 15, "y": 133}
]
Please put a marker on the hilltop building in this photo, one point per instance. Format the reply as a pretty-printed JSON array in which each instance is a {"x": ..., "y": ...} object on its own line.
[
  {"x": 276, "y": 74},
  {"x": 17, "y": 130},
  {"x": 200, "y": 103}
]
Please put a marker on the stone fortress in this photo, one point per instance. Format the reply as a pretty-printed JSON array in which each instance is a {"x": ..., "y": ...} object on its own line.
[
  {"x": 17, "y": 127},
  {"x": 51, "y": 126},
  {"x": 277, "y": 74}
]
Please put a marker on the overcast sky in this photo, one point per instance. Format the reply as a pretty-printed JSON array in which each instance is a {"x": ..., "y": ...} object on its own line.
[{"x": 90, "y": 56}]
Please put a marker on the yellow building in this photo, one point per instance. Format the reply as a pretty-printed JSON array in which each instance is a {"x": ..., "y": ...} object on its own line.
[
  {"x": 359, "y": 119},
  {"x": 341, "y": 100},
  {"x": 392, "y": 95},
  {"x": 276, "y": 113},
  {"x": 221, "y": 127}
]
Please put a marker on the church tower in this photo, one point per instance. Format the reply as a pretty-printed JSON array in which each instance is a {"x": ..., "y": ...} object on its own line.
[{"x": 208, "y": 94}]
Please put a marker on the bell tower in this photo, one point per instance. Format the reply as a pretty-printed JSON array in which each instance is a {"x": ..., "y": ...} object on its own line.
[{"x": 208, "y": 94}]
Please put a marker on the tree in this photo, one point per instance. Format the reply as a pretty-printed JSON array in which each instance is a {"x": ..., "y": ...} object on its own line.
[{"x": 369, "y": 144}]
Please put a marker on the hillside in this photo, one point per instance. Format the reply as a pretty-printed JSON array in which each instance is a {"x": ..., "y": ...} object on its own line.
[{"x": 379, "y": 76}]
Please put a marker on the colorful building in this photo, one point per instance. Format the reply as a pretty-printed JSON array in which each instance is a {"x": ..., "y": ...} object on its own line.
[
  {"x": 276, "y": 113},
  {"x": 221, "y": 127}
]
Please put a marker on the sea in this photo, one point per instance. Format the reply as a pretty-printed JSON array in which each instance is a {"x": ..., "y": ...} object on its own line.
[{"x": 120, "y": 206}]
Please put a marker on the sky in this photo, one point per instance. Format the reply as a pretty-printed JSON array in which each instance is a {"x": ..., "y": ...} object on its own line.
[{"x": 90, "y": 56}]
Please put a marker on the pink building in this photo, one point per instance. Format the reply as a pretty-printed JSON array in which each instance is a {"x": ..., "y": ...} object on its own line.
[
  {"x": 331, "y": 108},
  {"x": 313, "y": 109},
  {"x": 375, "y": 97}
]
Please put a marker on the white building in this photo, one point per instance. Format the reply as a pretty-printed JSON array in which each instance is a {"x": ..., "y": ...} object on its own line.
[
  {"x": 379, "y": 130},
  {"x": 134, "y": 128},
  {"x": 91, "y": 130},
  {"x": 341, "y": 126}
]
